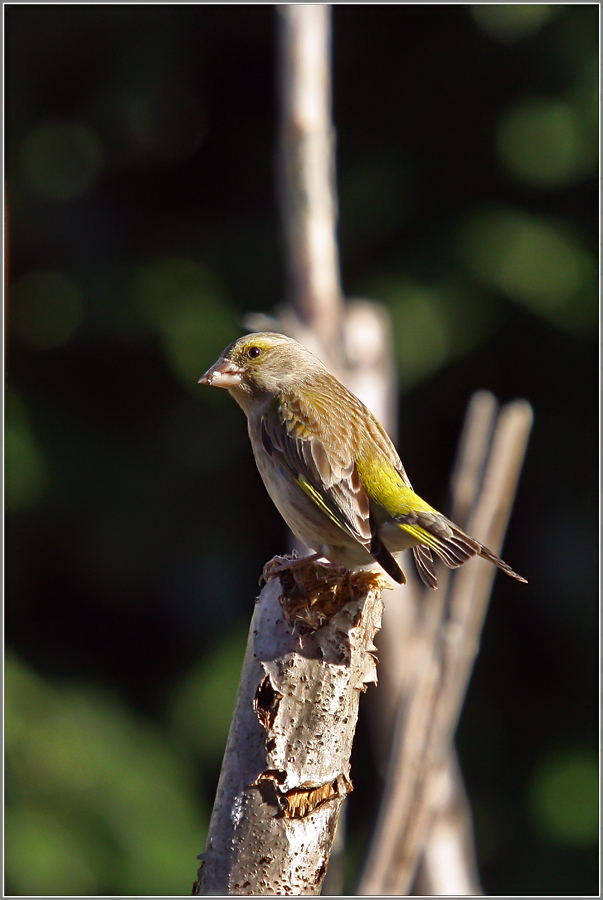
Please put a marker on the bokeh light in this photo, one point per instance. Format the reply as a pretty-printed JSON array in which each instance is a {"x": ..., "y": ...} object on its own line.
[
  {"x": 421, "y": 337},
  {"x": 61, "y": 159},
  {"x": 166, "y": 120},
  {"x": 510, "y": 22},
  {"x": 535, "y": 262},
  {"x": 151, "y": 119},
  {"x": 25, "y": 469},
  {"x": 433, "y": 323},
  {"x": 564, "y": 798},
  {"x": 180, "y": 299},
  {"x": 540, "y": 142},
  {"x": 45, "y": 309}
]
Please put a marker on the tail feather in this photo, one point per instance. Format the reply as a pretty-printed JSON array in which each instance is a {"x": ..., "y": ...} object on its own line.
[
  {"x": 451, "y": 545},
  {"x": 424, "y": 563},
  {"x": 457, "y": 549},
  {"x": 502, "y": 565}
]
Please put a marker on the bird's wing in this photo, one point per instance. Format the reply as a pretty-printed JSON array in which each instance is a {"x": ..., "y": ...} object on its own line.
[
  {"x": 300, "y": 434},
  {"x": 317, "y": 441}
]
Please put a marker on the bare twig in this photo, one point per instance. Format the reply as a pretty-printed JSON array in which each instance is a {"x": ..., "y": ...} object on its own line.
[
  {"x": 307, "y": 161},
  {"x": 403, "y": 646},
  {"x": 448, "y": 863},
  {"x": 428, "y": 717}
]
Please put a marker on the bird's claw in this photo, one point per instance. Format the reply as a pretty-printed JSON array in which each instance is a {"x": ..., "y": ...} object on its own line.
[{"x": 291, "y": 563}]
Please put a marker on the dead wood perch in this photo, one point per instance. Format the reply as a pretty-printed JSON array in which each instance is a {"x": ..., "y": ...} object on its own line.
[{"x": 286, "y": 768}]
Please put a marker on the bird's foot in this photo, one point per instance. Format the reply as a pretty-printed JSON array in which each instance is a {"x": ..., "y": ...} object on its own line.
[
  {"x": 290, "y": 563},
  {"x": 305, "y": 572}
]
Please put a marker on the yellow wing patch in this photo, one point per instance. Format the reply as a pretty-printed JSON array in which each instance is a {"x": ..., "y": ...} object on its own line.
[{"x": 317, "y": 498}]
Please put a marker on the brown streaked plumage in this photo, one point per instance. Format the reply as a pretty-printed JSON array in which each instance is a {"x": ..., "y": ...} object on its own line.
[{"x": 330, "y": 467}]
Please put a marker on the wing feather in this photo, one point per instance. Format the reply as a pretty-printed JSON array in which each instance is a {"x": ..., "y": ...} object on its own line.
[{"x": 295, "y": 433}]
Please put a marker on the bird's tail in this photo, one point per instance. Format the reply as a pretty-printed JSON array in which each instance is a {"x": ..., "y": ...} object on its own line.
[
  {"x": 434, "y": 532},
  {"x": 502, "y": 565}
]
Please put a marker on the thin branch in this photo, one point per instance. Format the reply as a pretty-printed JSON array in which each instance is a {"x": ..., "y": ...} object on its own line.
[
  {"x": 428, "y": 718},
  {"x": 448, "y": 862},
  {"x": 307, "y": 170},
  {"x": 406, "y": 626}
]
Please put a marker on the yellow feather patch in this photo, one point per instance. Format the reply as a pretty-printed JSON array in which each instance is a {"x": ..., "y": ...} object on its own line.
[
  {"x": 385, "y": 486},
  {"x": 319, "y": 500},
  {"x": 422, "y": 536}
]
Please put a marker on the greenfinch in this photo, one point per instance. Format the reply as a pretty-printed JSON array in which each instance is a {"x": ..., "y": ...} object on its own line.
[{"x": 330, "y": 467}]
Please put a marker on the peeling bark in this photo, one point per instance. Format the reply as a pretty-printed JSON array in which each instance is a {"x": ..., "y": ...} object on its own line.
[{"x": 286, "y": 766}]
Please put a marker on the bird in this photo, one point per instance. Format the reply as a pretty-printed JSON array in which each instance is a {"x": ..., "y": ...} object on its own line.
[{"x": 330, "y": 467}]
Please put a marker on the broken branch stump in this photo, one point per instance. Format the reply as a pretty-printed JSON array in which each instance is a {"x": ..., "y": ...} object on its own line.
[{"x": 286, "y": 767}]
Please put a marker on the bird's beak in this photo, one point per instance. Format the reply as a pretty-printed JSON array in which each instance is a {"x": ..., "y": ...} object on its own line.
[{"x": 223, "y": 374}]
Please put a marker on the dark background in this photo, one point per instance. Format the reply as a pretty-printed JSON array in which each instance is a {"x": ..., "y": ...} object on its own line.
[{"x": 142, "y": 227}]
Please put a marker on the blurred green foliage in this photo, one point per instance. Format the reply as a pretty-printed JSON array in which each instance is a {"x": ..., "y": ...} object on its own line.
[
  {"x": 179, "y": 300},
  {"x": 541, "y": 141},
  {"x": 564, "y": 797},
  {"x": 534, "y": 262},
  {"x": 98, "y": 800},
  {"x": 23, "y": 458},
  {"x": 142, "y": 228},
  {"x": 60, "y": 160},
  {"x": 47, "y": 309},
  {"x": 512, "y": 22}
]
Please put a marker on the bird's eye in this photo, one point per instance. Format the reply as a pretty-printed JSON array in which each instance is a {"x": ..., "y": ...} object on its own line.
[{"x": 254, "y": 352}]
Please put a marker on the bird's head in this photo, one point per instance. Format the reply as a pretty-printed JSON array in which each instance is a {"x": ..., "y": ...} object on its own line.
[{"x": 261, "y": 365}]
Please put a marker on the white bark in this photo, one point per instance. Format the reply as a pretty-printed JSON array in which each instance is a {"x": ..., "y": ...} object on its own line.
[
  {"x": 307, "y": 169},
  {"x": 286, "y": 769}
]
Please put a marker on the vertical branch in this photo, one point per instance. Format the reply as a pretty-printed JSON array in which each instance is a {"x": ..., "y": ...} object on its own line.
[
  {"x": 412, "y": 622},
  {"x": 307, "y": 170},
  {"x": 353, "y": 338},
  {"x": 448, "y": 863},
  {"x": 415, "y": 788}
]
